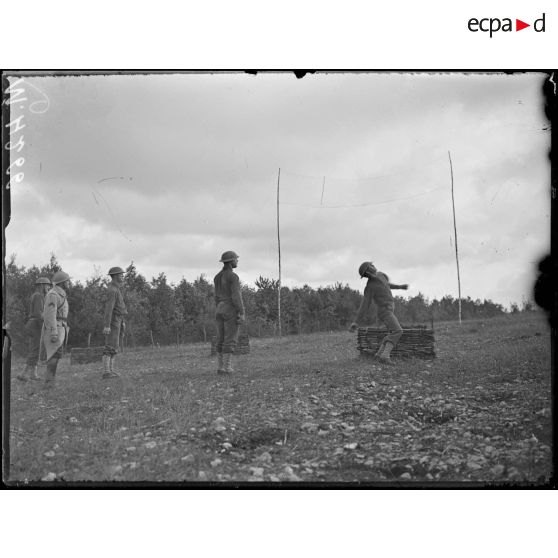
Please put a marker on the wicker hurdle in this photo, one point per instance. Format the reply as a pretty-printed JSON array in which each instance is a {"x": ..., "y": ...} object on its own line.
[
  {"x": 86, "y": 355},
  {"x": 417, "y": 341},
  {"x": 242, "y": 345}
]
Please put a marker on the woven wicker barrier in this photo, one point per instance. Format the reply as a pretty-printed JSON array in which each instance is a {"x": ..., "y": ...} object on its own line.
[
  {"x": 86, "y": 355},
  {"x": 415, "y": 342},
  {"x": 242, "y": 345}
]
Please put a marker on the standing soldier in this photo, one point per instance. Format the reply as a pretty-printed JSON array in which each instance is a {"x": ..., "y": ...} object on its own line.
[
  {"x": 115, "y": 312},
  {"x": 55, "y": 328},
  {"x": 229, "y": 312},
  {"x": 33, "y": 329},
  {"x": 378, "y": 288}
]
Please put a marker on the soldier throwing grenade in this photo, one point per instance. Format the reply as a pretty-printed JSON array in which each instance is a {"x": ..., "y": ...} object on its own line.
[
  {"x": 115, "y": 312},
  {"x": 378, "y": 288},
  {"x": 229, "y": 313}
]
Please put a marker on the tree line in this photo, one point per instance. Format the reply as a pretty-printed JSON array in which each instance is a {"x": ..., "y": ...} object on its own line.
[{"x": 162, "y": 313}]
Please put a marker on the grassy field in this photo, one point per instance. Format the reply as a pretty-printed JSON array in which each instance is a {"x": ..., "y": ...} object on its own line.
[{"x": 299, "y": 409}]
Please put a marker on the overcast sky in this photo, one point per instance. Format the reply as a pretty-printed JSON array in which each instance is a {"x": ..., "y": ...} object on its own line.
[{"x": 171, "y": 170}]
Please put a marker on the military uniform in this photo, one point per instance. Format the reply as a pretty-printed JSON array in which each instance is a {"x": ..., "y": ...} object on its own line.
[
  {"x": 230, "y": 307},
  {"x": 55, "y": 328},
  {"x": 113, "y": 322},
  {"x": 229, "y": 311},
  {"x": 55, "y": 316},
  {"x": 115, "y": 312},
  {"x": 33, "y": 328},
  {"x": 378, "y": 290}
]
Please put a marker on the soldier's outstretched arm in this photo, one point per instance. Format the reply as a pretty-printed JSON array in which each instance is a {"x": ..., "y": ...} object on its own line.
[{"x": 404, "y": 287}]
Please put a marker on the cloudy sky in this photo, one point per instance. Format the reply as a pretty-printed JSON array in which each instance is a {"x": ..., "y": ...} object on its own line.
[{"x": 171, "y": 170}]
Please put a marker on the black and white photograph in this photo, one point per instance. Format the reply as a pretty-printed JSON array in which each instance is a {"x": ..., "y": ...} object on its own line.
[{"x": 277, "y": 279}]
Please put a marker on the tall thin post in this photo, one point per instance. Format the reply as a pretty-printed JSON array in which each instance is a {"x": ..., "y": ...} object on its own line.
[
  {"x": 279, "y": 254},
  {"x": 455, "y": 236}
]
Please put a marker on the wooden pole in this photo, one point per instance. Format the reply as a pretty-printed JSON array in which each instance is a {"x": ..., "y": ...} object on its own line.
[
  {"x": 279, "y": 257},
  {"x": 455, "y": 236}
]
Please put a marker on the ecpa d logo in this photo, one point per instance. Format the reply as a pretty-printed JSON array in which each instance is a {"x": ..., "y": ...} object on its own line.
[{"x": 492, "y": 25}]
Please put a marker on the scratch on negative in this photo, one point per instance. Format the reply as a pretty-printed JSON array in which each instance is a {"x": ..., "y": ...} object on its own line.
[
  {"x": 114, "y": 178},
  {"x": 112, "y": 214}
]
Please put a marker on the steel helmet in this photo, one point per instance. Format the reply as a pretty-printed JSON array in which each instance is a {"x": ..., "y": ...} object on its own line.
[
  {"x": 363, "y": 268},
  {"x": 115, "y": 270},
  {"x": 60, "y": 277},
  {"x": 42, "y": 281},
  {"x": 229, "y": 256}
]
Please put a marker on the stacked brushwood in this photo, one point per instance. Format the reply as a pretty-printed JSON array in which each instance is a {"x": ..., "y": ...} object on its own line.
[
  {"x": 86, "y": 355},
  {"x": 242, "y": 344},
  {"x": 416, "y": 341}
]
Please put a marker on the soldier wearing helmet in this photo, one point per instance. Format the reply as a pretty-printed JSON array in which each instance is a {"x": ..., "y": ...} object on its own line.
[
  {"x": 113, "y": 321},
  {"x": 378, "y": 289},
  {"x": 229, "y": 312},
  {"x": 33, "y": 329},
  {"x": 55, "y": 327}
]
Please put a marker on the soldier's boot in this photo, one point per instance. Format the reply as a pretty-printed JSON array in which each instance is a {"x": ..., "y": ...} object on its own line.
[
  {"x": 50, "y": 373},
  {"x": 227, "y": 363},
  {"x": 107, "y": 374},
  {"x": 220, "y": 363},
  {"x": 22, "y": 376},
  {"x": 380, "y": 350},
  {"x": 384, "y": 357},
  {"x": 30, "y": 373},
  {"x": 113, "y": 371},
  {"x": 34, "y": 374}
]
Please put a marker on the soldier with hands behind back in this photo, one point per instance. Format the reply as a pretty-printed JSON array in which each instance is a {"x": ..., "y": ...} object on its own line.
[
  {"x": 33, "y": 329},
  {"x": 113, "y": 321},
  {"x": 229, "y": 313}
]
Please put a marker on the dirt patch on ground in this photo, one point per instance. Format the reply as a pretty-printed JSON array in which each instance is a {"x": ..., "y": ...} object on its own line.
[{"x": 299, "y": 409}]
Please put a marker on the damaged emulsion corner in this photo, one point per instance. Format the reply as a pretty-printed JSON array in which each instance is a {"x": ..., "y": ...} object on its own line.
[
  {"x": 298, "y": 73},
  {"x": 301, "y": 73}
]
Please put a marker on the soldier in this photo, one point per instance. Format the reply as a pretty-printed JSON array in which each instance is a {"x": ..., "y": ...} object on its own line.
[
  {"x": 55, "y": 327},
  {"x": 229, "y": 312},
  {"x": 33, "y": 329},
  {"x": 115, "y": 312},
  {"x": 378, "y": 288}
]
